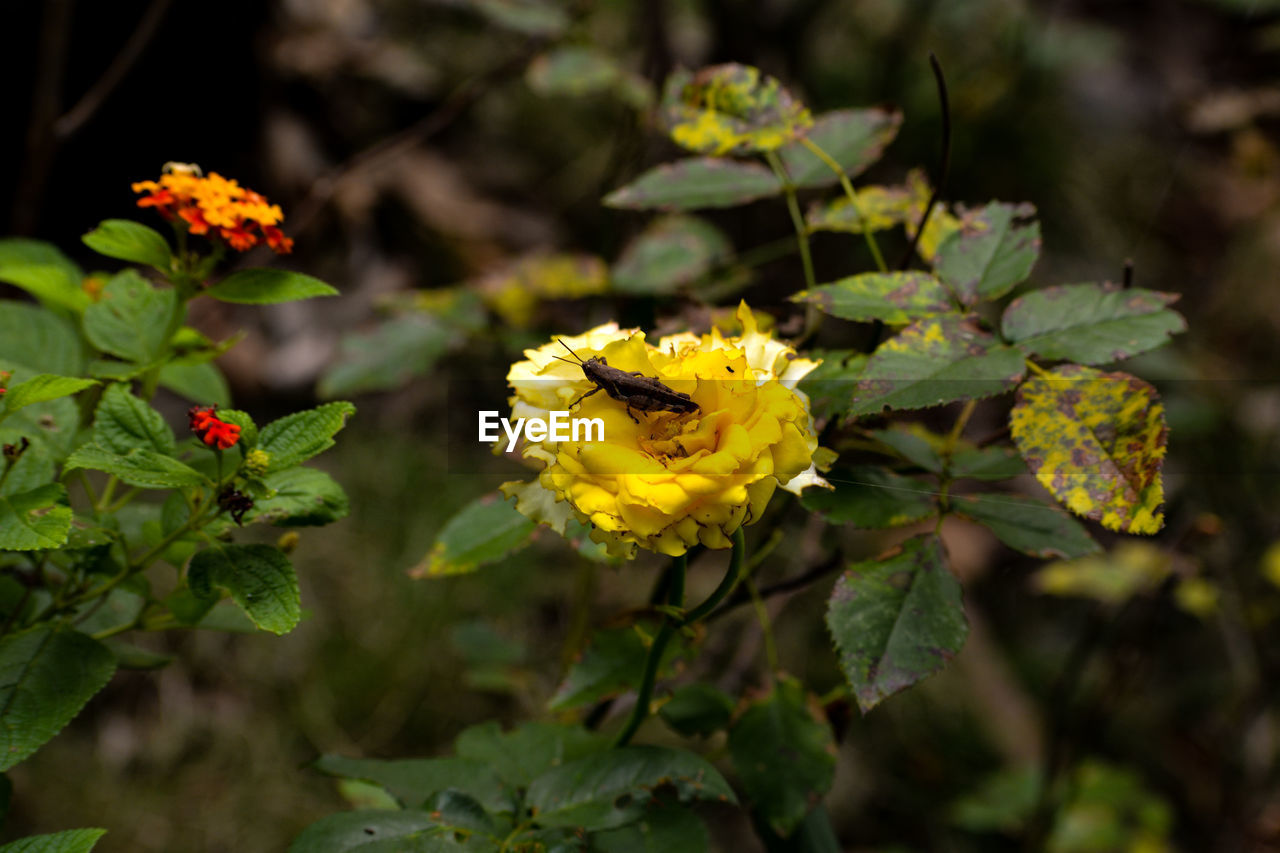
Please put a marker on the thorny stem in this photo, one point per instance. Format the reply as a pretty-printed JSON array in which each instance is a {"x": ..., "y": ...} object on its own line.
[
  {"x": 853, "y": 199},
  {"x": 675, "y": 598}
]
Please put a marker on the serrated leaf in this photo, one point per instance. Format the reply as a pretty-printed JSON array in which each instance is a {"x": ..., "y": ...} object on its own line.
[
  {"x": 298, "y": 437},
  {"x": 388, "y": 356},
  {"x": 268, "y": 286},
  {"x": 612, "y": 788},
  {"x": 662, "y": 829},
  {"x": 304, "y": 497},
  {"x": 46, "y": 677},
  {"x": 612, "y": 664},
  {"x": 673, "y": 252},
  {"x": 130, "y": 241},
  {"x": 140, "y": 467},
  {"x": 913, "y": 443},
  {"x": 67, "y": 841},
  {"x": 124, "y": 422},
  {"x": 896, "y": 620},
  {"x": 199, "y": 382},
  {"x": 987, "y": 463},
  {"x": 731, "y": 109},
  {"x": 992, "y": 252},
  {"x": 831, "y": 384},
  {"x": 878, "y": 209},
  {"x": 695, "y": 183},
  {"x": 895, "y": 298},
  {"x": 1096, "y": 441},
  {"x": 41, "y": 387},
  {"x": 34, "y": 340},
  {"x": 413, "y": 780},
  {"x": 260, "y": 579},
  {"x": 371, "y": 830},
  {"x": 527, "y": 751},
  {"x": 697, "y": 709},
  {"x": 933, "y": 361},
  {"x": 1091, "y": 323},
  {"x": 1027, "y": 525},
  {"x": 42, "y": 270},
  {"x": 784, "y": 755},
  {"x": 131, "y": 318},
  {"x": 485, "y": 530},
  {"x": 38, "y": 519},
  {"x": 854, "y": 138},
  {"x": 870, "y": 496}
]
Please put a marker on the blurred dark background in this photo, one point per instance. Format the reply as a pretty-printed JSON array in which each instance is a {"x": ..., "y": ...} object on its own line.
[{"x": 408, "y": 151}]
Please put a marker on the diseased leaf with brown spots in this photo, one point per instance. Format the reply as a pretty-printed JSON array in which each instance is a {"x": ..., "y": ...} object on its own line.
[
  {"x": 896, "y": 620},
  {"x": 1091, "y": 323},
  {"x": 731, "y": 109},
  {"x": 895, "y": 297},
  {"x": 933, "y": 361},
  {"x": 854, "y": 138},
  {"x": 1096, "y": 441},
  {"x": 878, "y": 209},
  {"x": 696, "y": 183},
  {"x": 993, "y": 251}
]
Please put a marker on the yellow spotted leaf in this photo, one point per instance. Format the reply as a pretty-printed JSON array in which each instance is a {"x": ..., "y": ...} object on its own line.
[
  {"x": 731, "y": 109},
  {"x": 1096, "y": 441}
]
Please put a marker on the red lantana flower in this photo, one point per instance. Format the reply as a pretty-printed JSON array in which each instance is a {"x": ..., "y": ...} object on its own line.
[
  {"x": 215, "y": 206},
  {"x": 213, "y": 432}
]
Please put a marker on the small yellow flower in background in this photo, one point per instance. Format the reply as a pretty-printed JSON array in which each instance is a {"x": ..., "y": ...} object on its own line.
[{"x": 672, "y": 480}]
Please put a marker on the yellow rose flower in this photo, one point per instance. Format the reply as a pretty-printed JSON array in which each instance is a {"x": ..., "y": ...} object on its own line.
[{"x": 672, "y": 480}]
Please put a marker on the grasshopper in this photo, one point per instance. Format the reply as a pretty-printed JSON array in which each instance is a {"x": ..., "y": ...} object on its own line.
[{"x": 635, "y": 389}]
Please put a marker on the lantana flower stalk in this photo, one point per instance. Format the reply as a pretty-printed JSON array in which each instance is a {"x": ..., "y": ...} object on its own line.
[{"x": 672, "y": 480}]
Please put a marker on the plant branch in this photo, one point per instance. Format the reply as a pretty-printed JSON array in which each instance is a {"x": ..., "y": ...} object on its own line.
[
  {"x": 797, "y": 219},
  {"x": 675, "y": 598},
  {"x": 853, "y": 200},
  {"x": 944, "y": 166}
]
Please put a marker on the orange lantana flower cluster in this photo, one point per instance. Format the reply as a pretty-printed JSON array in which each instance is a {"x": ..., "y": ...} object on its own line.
[
  {"x": 212, "y": 431},
  {"x": 215, "y": 205}
]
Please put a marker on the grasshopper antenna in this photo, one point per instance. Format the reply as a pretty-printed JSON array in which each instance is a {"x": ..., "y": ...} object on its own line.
[
  {"x": 565, "y": 360},
  {"x": 571, "y": 352}
]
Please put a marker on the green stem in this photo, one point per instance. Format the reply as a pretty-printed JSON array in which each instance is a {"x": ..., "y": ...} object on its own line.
[
  {"x": 675, "y": 598},
  {"x": 953, "y": 438},
  {"x": 730, "y": 580},
  {"x": 797, "y": 219},
  {"x": 108, "y": 491},
  {"x": 89, "y": 491},
  {"x": 853, "y": 200},
  {"x": 766, "y": 625}
]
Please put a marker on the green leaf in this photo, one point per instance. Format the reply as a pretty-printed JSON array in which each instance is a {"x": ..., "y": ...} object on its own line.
[
  {"x": 933, "y": 361},
  {"x": 374, "y": 831},
  {"x": 37, "y": 389},
  {"x": 388, "y": 356},
  {"x": 784, "y": 754},
  {"x": 67, "y": 841},
  {"x": 200, "y": 382},
  {"x": 53, "y": 425},
  {"x": 697, "y": 709},
  {"x": 571, "y": 70},
  {"x": 695, "y": 183},
  {"x": 140, "y": 467},
  {"x": 43, "y": 271},
  {"x": 129, "y": 656},
  {"x": 124, "y": 422},
  {"x": 413, "y": 780},
  {"x": 130, "y": 241},
  {"x": 531, "y": 17},
  {"x": 831, "y": 384},
  {"x": 869, "y": 496},
  {"x": 260, "y": 579},
  {"x": 731, "y": 109},
  {"x": 485, "y": 530},
  {"x": 455, "y": 810},
  {"x": 304, "y": 497},
  {"x": 611, "y": 665},
  {"x": 526, "y": 752},
  {"x": 987, "y": 463},
  {"x": 1096, "y": 441},
  {"x": 896, "y": 620},
  {"x": 1001, "y": 803},
  {"x": 662, "y": 829},
  {"x": 854, "y": 138},
  {"x": 267, "y": 286},
  {"x": 612, "y": 788},
  {"x": 1027, "y": 525},
  {"x": 1131, "y": 568},
  {"x": 34, "y": 468},
  {"x": 897, "y": 297},
  {"x": 46, "y": 677},
  {"x": 913, "y": 443},
  {"x": 1091, "y": 323},
  {"x": 992, "y": 253},
  {"x": 878, "y": 209},
  {"x": 296, "y": 438},
  {"x": 673, "y": 252},
  {"x": 34, "y": 520},
  {"x": 131, "y": 319},
  {"x": 34, "y": 340}
]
